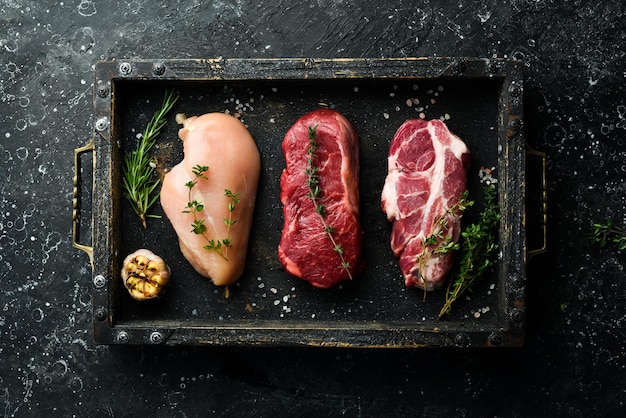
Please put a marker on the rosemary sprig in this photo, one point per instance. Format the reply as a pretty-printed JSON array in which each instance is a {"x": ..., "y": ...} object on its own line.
[
  {"x": 220, "y": 246},
  {"x": 139, "y": 183},
  {"x": 478, "y": 245},
  {"x": 440, "y": 242},
  {"x": 315, "y": 194},
  {"x": 608, "y": 232}
]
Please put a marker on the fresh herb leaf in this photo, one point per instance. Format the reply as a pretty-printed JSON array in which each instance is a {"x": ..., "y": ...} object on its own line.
[
  {"x": 194, "y": 207},
  {"x": 605, "y": 233},
  {"x": 440, "y": 241},
  {"x": 478, "y": 245},
  {"x": 138, "y": 173}
]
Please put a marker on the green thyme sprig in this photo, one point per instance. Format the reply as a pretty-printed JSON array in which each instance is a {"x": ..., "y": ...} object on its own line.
[
  {"x": 608, "y": 233},
  {"x": 220, "y": 246},
  {"x": 478, "y": 245},
  {"x": 440, "y": 242},
  {"x": 138, "y": 179},
  {"x": 315, "y": 194}
]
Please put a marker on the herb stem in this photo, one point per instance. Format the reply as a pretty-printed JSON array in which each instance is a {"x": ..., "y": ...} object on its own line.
[
  {"x": 315, "y": 194},
  {"x": 440, "y": 242},
  {"x": 478, "y": 246},
  {"x": 138, "y": 180},
  {"x": 198, "y": 227}
]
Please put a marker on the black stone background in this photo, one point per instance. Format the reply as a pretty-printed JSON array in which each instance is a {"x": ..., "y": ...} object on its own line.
[{"x": 573, "y": 362}]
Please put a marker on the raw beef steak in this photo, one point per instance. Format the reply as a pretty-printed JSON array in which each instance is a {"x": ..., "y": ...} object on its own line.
[
  {"x": 321, "y": 238},
  {"x": 426, "y": 178}
]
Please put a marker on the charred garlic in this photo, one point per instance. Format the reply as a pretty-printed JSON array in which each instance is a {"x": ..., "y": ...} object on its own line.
[{"x": 145, "y": 274}]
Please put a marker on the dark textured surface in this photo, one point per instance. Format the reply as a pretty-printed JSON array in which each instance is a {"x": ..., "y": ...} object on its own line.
[{"x": 574, "y": 359}]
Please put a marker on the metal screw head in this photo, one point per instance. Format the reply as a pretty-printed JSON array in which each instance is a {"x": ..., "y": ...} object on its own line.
[
  {"x": 158, "y": 68},
  {"x": 102, "y": 124},
  {"x": 99, "y": 281},
  {"x": 458, "y": 67},
  {"x": 461, "y": 339},
  {"x": 515, "y": 90},
  {"x": 103, "y": 91},
  {"x": 101, "y": 314},
  {"x": 125, "y": 68},
  {"x": 123, "y": 337},
  {"x": 515, "y": 124},
  {"x": 517, "y": 280},
  {"x": 517, "y": 316},
  {"x": 493, "y": 68},
  {"x": 495, "y": 338},
  {"x": 156, "y": 337}
]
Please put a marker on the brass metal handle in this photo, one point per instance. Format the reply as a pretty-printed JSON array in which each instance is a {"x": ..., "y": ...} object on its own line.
[
  {"x": 76, "y": 201},
  {"x": 544, "y": 203}
]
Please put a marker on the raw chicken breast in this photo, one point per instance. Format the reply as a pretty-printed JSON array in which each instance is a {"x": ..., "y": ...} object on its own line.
[{"x": 222, "y": 143}]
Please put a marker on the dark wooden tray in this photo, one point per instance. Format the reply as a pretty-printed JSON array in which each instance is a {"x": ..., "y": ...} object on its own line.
[{"x": 481, "y": 101}]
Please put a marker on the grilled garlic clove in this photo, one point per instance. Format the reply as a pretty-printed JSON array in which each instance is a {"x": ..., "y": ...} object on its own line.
[{"x": 145, "y": 274}]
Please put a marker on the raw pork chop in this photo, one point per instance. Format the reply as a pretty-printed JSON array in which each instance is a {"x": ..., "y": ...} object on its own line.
[
  {"x": 426, "y": 178},
  {"x": 222, "y": 143},
  {"x": 305, "y": 248}
]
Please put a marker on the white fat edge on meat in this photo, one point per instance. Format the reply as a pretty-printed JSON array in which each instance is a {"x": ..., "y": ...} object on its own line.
[{"x": 389, "y": 194}]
